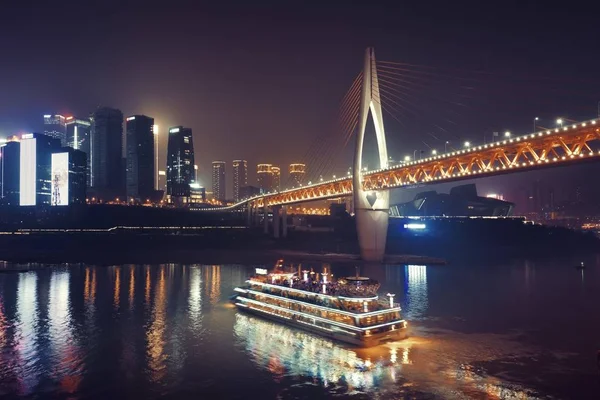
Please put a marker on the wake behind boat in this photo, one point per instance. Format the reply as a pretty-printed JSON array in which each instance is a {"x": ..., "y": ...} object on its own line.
[{"x": 348, "y": 309}]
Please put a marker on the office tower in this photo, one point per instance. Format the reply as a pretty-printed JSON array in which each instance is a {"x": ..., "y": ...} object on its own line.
[
  {"x": 297, "y": 174},
  {"x": 106, "y": 134},
  {"x": 10, "y": 154},
  {"x": 55, "y": 127},
  {"x": 35, "y": 167},
  {"x": 218, "y": 180},
  {"x": 68, "y": 177},
  {"x": 240, "y": 178},
  {"x": 140, "y": 157},
  {"x": 276, "y": 173},
  {"x": 78, "y": 137},
  {"x": 264, "y": 177},
  {"x": 180, "y": 163}
]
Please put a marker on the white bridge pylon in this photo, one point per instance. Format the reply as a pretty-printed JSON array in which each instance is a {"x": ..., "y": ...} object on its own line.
[{"x": 371, "y": 209}]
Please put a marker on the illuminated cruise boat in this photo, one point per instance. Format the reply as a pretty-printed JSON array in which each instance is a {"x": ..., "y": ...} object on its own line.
[{"x": 348, "y": 309}]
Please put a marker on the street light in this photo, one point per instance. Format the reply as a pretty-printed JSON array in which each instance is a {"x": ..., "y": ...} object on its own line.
[
  {"x": 434, "y": 152},
  {"x": 534, "y": 122},
  {"x": 446, "y": 146},
  {"x": 507, "y": 134},
  {"x": 467, "y": 144},
  {"x": 415, "y": 155},
  {"x": 406, "y": 158},
  {"x": 559, "y": 121}
]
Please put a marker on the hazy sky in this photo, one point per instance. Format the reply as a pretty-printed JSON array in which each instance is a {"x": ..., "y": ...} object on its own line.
[{"x": 262, "y": 80}]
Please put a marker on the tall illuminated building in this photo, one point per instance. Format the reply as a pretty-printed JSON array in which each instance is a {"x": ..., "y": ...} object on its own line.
[
  {"x": 297, "y": 174},
  {"x": 264, "y": 177},
  {"x": 140, "y": 179},
  {"x": 180, "y": 163},
  {"x": 10, "y": 172},
  {"x": 55, "y": 127},
  {"x": 35, "y": 168},
  {"x": 218, "y": 180},
  {"x": 240, "y": 178},
  {"x": 68, "y": 177},
  {"x": 276, "y": 172},
  {"x": 78, "y": 137},
  {"x": 106, "y": 147}
]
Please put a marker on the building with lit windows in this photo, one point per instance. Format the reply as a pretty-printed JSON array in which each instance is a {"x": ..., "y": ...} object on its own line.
[
  {"x": 276, "y": 171},
  {"x": 240, "y": 178},
  {"x": 106, "y": 147},
  {"x": 78, "y": 138},
  {"x": 35, "y": 168},
  {"x": 297, "y": 174},
  {"x": 10, "y": 172},
  {"x": 55, "y": 127},
  {"x": 140, "y": 172},
  {"x": 68, "y": 177},
  {"x": 180, "y": 164},
  {"x": 218, "y": 180},
  {"x": 268, "y": 177}
]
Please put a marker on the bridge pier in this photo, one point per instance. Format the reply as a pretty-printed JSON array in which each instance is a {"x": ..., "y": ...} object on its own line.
[
  {"x": 248, "y": 215},
  {"x": 266, "y": 218},
  {"x": 276, "y": 221},
  {"x": 284, "y": 224},
  {"x": 371, "y": 209}
]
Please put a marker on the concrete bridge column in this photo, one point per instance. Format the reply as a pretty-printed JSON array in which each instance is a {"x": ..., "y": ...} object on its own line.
[
  {"x": 276, "y": 221},
  {"x": 371, "y": 209},
  {"x": 249, "y": 215},
  {"x": 284, "y": 224},
  {"x": 266, "y": 218}
]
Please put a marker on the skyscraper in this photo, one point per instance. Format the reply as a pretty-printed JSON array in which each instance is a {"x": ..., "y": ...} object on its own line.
[
  {"x": 140, "y": 157},
  {"x": 10, "y": 172},
  {"x": 276, "y": 172},
  {"x": 240, "y": 178},
  {"x": 106, "y": 146},
  {"x": 218, "y": 180},
  {"x": 297, "y": 173},
  {"x": 78, "y": 137},
  {"x": 55, "y": 127},
  {"x": 264, "y": 177},
  {"x": 180, "y": 163},
  {"x": 68, "y": 177},
  {"x": 35, "y": 168}
]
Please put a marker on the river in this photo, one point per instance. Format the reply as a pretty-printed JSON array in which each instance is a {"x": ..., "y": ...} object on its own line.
[{"x": 515, "y": 329}]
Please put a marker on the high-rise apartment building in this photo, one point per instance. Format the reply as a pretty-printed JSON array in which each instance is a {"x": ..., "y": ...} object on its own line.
[
  {"x": 297, "y": 174},
  {"x": 55, "y": 127},
  {"x": 240, "y": 178},
  {"x": 78, "y": 137},
  {"x": 268, "y": 177},
  {"x": 180, "y": 163},
  {"x": 106, "y": 147},
  {"x": 276, "y": 172},
  {"x": 264, "y": 177},
  {"x": 140, "y": 157},
  {"x": 218, "y": 180}
]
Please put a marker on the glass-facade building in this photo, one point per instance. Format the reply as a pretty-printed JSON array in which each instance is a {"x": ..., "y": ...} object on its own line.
[
  {"x": 180, "y": 163},
  {"x": 55, "y": 127},
  {"x": 35, "y": 168},
  {"x": 106, "y": 146},
  {"x": 10, "y": 173},
  {"x": 78, "y": 138},
  {"x": 140, "y": 145}
]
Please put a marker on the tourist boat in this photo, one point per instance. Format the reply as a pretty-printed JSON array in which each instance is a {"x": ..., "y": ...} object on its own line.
[{"x": 346, "y": 309}]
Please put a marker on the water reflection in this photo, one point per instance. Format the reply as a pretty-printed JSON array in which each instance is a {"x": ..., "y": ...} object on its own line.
[
  {"x": 117, "y": 288},
  {"x": 286, "y": 351},
  {"x": 155, "y": 336},
  {"x": 195, "y": 300},
  {"x": 416, "y": 291},
  {"x": 27, "y": 313},
  {"x": 131, "y": 286}
]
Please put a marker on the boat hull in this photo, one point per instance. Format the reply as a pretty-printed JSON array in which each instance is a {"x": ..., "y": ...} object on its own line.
[{"x": 369, "y": 341}]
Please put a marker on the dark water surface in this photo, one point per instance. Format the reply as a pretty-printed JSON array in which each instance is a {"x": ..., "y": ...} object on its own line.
[{"x": 508, "y": 330}]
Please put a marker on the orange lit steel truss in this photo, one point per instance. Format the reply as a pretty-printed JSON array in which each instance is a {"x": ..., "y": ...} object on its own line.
[{"x": 568, "y": 144}]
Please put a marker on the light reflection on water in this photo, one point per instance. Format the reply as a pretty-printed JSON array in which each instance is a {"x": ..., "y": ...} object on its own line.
[{"x": 168, "y": 330}]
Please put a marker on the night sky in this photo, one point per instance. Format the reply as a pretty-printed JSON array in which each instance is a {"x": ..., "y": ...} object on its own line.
[{"x": 262, "y": 81}]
